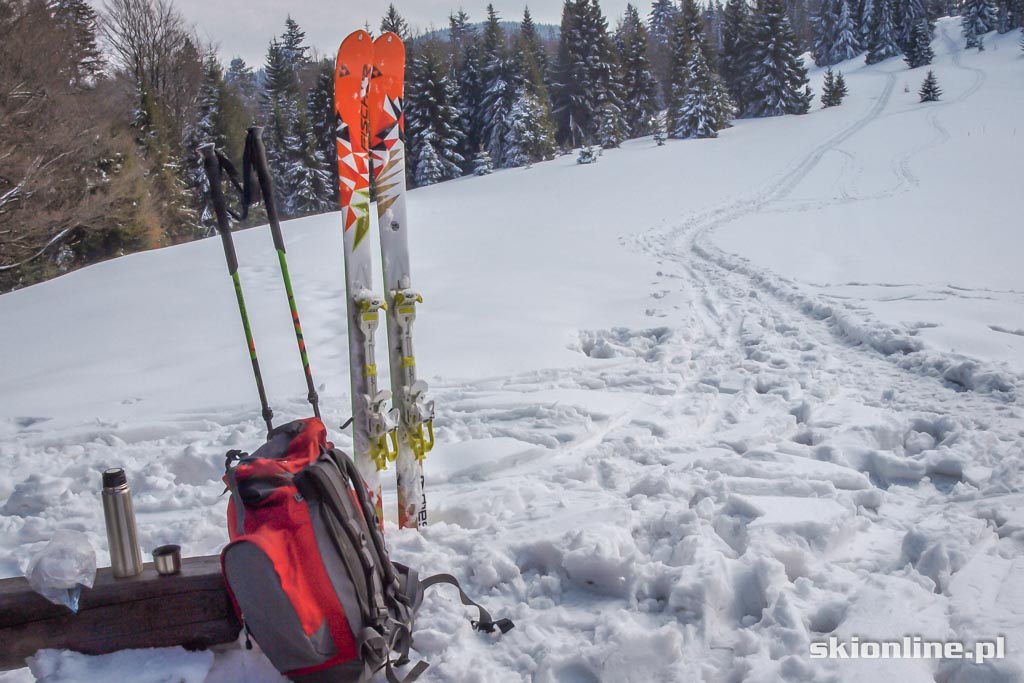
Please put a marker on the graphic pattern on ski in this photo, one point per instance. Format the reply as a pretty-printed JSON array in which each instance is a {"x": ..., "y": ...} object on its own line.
[
  {"x": 415, "y": 428},
  {"x": 372, "y": 425}
]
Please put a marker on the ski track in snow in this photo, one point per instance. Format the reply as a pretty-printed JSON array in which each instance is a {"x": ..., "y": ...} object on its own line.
[{"x": 696, "y": 502}]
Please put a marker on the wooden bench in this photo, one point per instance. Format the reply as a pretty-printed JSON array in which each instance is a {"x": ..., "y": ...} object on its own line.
[{"x": 191, "y": 609}]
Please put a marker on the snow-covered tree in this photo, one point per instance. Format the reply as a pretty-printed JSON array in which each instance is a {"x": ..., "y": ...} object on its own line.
[
  {"x": 661, "y": 22},
  {"x": 535, "y": 58},
  {"x": 529, "y": 138},
  {"x": 432, "y": 117},
  {"x": 697, "y": 115},
  {"x": 687, "y": 37},
  {"x": 734, "y": 63},
  {"x": 467, "y": 75},
  {"x": 910, "y": 14},
  {"x": 241, "y": 78},
  {"x": 640, "y": 89},
  {"x": 834, "y": 89},
  {"x": 533, "y": 67},
  {"x": 320, "y": 105},
  {"x": 883, "y": 43},
  {"x": 279, "y": 110},
  {"x": 610, "y": 132},
  {"x": 205, "y": 129},
  {"x": 294, "y": 52},
  {"x": 429, "y": 168},
  {"x": 919, "y": 48},
  {"x": 836, "y": 35},
  {"x": 306, "y": 179},
  {"x": 977, "y": 17},
  {"x": 394, "y": 22},
  {"x": 482, "y": 164},
  {"x": 585, "y": 73},
  {"x": 865, "y": 21},
  {"x": 847, "y": 45},
  {"x": 587, "y": 155},
  {"x": 503, "y": 82},
  {"x": 930, "y": 91},
  {"x": 825, "y": 33},
  {"x": 777, "y": 76}
]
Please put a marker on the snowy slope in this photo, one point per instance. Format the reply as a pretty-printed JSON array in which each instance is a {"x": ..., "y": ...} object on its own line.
[{"x": 675, "y": 443}]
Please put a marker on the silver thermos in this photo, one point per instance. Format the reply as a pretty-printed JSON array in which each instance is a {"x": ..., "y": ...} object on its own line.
[{"x": 123, "y": 539}]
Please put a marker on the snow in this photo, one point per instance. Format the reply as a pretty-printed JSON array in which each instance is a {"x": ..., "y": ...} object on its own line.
[{"x": 698, "y": 404}]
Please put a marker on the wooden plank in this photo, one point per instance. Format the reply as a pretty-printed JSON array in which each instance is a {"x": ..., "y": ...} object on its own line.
[{"x": 191, "y": 609}]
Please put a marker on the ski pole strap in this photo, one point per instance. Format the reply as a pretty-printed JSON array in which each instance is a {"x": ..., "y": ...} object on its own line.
[
  {"x": 485, "y": 623},
  {"x": 231, "y": 172}
]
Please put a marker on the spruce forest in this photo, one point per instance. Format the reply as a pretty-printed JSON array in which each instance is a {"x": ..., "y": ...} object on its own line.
[{"x": 101, "y": 113}]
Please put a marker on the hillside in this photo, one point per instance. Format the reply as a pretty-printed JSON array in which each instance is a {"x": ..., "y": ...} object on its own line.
[{"x": 698, "y": 405}]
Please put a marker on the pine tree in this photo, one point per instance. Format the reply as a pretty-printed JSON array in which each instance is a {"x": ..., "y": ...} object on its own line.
[
  {"x": 394, "y": 22},
  {"x": 529, "y": 138},
  {"x": 687, "y": 36},
  {"x": 697, "y": 116},
  {"x": 662, "y": 21},
  {"x": 607, "y": 74},
  {"x": 432, "y": 117},
  {"x": 834, "y": 89},
  {"x": 240, "y": 76},
  {"x": 978, "y": 17},
  {"x": 503, "y": 82},
  {"x": 919, "y": 49},
  {"x": 930, "y": 91},
  {"x": 482, "y": 164},
  {"x": 306, "y": 181},
  {"x": 640, "y": 89},
  {"x": 78, "y": 20},
  {"x": 883, "y": 43},
  {"x": 467, "y": 76},
  {"x": 839, "y": 89},
  {"x": 293, "y": 50},
  {"x": 825, "y": 34},
  {"x": 721, "y": 103},
  {"x": 827, "y": 89},
  {"x": 866, "y": 21},
  {"x": 836, "y": 36},
  {"x": 734, "y": 62},
  {"x": 278, "y": 108},
  {"x": 204, "y": 130},
  {"x": 533, "y": 67},
  {"x": 320, "y": 105},
  {"x": 1007, "y": 15},
  {"x": 585, "y": 73},
  {"x": 778, "y": 76},
  {"x": 910, "y": 13},
  {"x": 429, "y": 168},
  {"x": 848, "y": 44},
  {"x": 535, "y": 58},
  {"x": 610, "y": 132},
  {"x": 303, "y": 181}
]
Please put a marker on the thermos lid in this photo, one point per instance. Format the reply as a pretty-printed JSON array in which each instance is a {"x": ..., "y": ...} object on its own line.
[{"x": 114, "y": 477}]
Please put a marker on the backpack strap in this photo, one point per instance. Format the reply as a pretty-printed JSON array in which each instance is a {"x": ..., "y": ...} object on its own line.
[{"x": 484, "y": 624}]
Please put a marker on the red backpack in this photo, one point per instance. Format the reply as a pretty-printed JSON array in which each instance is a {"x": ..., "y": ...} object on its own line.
[{"x": 307, "y": 568}]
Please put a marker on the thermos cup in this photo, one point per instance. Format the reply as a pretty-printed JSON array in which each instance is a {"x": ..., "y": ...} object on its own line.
[{"x": 122, "y": 537}]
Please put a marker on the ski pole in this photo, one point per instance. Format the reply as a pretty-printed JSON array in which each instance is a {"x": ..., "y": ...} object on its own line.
[
  {"x": 212, "y": 166},
  {"x": 256, "y": 155}
]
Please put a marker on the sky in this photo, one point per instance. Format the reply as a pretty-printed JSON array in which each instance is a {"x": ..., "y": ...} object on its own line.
[{"x": 244, "y": 28}]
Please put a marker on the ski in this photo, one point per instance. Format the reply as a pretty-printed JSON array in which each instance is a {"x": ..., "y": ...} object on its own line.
[
  {"x": 373, "y": 425},
  {"x": 387, "y": 149}
]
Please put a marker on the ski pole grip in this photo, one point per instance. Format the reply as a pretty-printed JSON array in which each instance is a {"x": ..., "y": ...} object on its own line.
[
  {"x": 258, "y": 157},
  {"x": 212, "y": 167}
]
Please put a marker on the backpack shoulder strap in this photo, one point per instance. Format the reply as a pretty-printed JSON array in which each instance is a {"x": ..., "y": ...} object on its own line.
[{"x": 484, "y": 623}]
